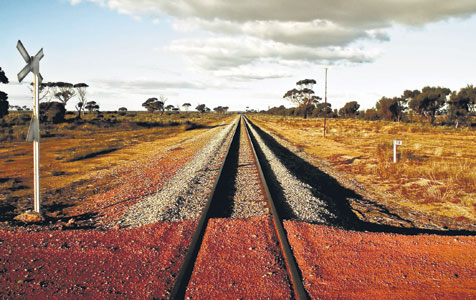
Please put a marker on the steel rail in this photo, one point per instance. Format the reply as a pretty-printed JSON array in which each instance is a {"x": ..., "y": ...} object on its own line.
[
  {"x": 185, "y": 271},
  {"x": 291, "y": 265}
]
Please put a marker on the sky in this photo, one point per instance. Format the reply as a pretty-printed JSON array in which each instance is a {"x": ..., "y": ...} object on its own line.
[{"x": 239, "y": 54}]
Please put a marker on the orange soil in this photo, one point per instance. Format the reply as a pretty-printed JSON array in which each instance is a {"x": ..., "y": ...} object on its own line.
[
  {"x": 239, "y": 259},
  {"x": 138, "y": 263},
  {"x": 338, "y": 264}
]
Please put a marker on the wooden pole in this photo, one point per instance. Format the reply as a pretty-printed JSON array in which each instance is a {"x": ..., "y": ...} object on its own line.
[{"x": 325, "y": 105}]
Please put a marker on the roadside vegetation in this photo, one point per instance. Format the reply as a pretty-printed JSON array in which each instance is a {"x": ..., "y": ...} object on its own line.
[
  {"x": 14, "y": 126},
  {"x": 436, "y": 168},
  {"x": 431, "y": 105}
]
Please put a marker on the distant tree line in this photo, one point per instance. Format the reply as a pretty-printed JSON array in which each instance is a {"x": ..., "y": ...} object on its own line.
[
  {"x": 53, "y": 97},
  {"x": 221, "y": 109},
  {"x": 158, "y": 104},
  {"x": 3, "y": 96},
  {"x": 450, "y": 107}
]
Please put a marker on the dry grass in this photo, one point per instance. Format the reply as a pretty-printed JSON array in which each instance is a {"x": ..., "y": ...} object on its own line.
[
  {"x": 437, "y": 165},
  {"x": 73, "y": 150}
]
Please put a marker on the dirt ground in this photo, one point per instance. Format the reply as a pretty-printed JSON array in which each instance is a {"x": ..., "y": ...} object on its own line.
[
  {"x": 239, "y": 259},
  {"x": 138, "y": 263},
  {"x": 340, "y": 264}
]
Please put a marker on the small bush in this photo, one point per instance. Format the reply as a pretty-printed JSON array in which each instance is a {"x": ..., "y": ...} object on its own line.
[{"x": 52, "y": 112}]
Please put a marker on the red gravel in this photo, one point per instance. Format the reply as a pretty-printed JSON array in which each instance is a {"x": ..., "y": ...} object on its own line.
[
  {"x": 134, "y": 182},
  {"x": 239, "y": 259},
  {"x": 136, "y": 263},
  {"x": 339, "y": 264}
]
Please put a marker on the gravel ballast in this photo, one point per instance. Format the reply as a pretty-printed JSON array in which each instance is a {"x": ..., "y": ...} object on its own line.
[
  {"x": 299, "y": 197},
  {"x": 186, "y": 193},
  {"x": 248, "y": 200}
]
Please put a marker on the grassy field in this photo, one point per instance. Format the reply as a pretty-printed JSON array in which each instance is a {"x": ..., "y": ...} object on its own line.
[
  {"x": 70, "y": 151},
  {"x": 436, "y": 168}
]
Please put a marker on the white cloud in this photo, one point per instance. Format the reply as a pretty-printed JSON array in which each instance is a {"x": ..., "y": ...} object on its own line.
[
  {"x": 146, "y": 84},
  {"x": 316, "y": 33},
  {"x": 247, "y": 32},
  {"x": 99, "y": 2},
  {"x": 370, "y": 14},
  {"x": 228, "y": 52},
  {"x": 246, "y": 73}
]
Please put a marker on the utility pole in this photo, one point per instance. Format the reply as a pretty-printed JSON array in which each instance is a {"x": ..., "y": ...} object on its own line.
[
  {"x": 325, "y": 106},
  {"x": 33, "y": 66}
]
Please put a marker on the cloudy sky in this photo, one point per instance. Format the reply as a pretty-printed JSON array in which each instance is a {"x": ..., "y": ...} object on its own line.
[{"x": 239, "y": 54}]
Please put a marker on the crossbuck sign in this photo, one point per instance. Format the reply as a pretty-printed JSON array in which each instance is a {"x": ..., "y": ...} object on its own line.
[{"x": 33, "y": 66}]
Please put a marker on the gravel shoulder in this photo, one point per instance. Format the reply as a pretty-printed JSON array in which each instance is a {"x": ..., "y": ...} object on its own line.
[
  {"x": 185, "y": 195},
  {"x": 300, "y": 200}
]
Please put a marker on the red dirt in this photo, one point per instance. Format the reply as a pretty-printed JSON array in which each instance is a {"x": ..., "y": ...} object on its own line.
[
  {"x": 136, "y": 263},
  {"x": 239, "y": 259},
  {"x": 339, "y": 264}
]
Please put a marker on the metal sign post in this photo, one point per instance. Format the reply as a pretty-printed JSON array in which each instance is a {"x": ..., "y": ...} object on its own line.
[
  {"x": 395, "y": 144},
  {"x": 33, "y": 65}
]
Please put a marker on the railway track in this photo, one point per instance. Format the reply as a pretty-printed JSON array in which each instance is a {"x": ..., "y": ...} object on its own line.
[{"x": 228, "y": 256}]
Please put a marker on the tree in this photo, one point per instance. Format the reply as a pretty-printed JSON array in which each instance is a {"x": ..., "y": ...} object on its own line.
[
  {"x": 81, "y": 92},
  {"x": 92, "y": 106},
  {"x": 122, "y": 111},
  {"x": 391, "y": 109},
  {"x": 169, "y": 107},
  {"x": 44, "y": 90},
  {"x": 64, "y": 91},
  {"x": 153, "y": 104},
  {"x": 461, "y": 106},
  {"x": 371, "y": 114},
  {"x": 3, "y": 96},
  {"x": 163, "y": 99},
  {"x": 303, "y": 96},
  {"x": 429, "y": 102},
  {"x": 349, "y": 109},
  {"x": 187, "y": 106},
  {"x": 53, "y": 112},
  {"x": 201, "y": 108},
  {"x": 220, "y": 109},
  {"x": 322, "y": 109}
]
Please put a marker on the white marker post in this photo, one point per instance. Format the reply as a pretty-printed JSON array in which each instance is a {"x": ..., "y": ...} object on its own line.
[
  {"x": 33, "y": 65},
  {"x": 395, "y": 144}
]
